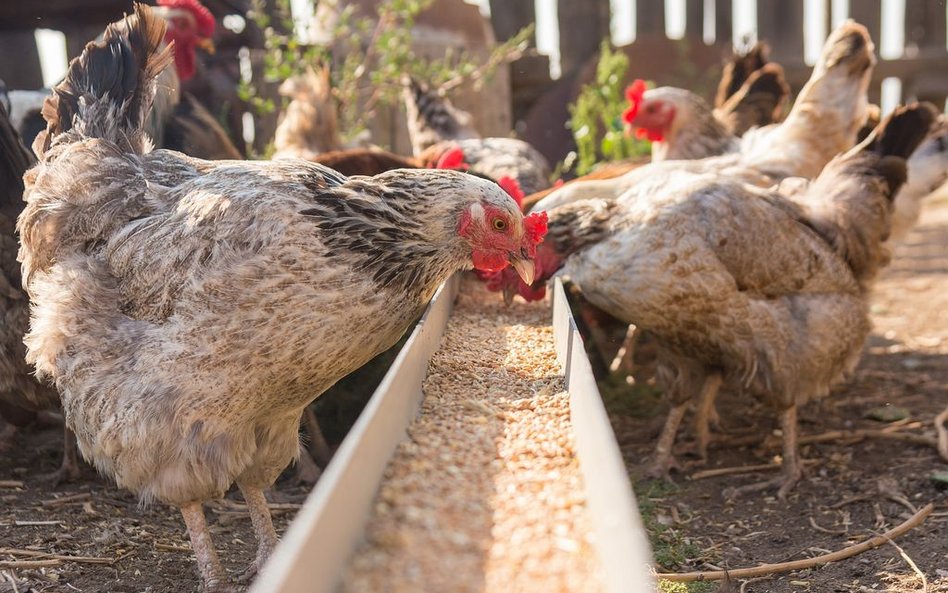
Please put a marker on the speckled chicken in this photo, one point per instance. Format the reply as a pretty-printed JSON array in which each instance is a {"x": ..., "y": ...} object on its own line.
[
  {"x": 437, "y": 128},
  {"x": 782, "y": 319},
  {"x": 189, "y": 310},
  {"x": 432, "y": 118}
]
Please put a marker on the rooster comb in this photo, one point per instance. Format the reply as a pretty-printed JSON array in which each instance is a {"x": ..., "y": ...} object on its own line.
[
  {"x": 512, "y": 186},
  {"x": 452, "y": 159},
  {"x": 535, "y": 225},
  {"x": 633, "y": 93},
  {"x": 203, "y": 17}
]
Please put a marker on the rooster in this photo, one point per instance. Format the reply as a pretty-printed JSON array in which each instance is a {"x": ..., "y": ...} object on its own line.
[
  {"x": 784, "y": 320},
  {"x": 189, "y": 310},
  {"x": 21, "y": 393}
]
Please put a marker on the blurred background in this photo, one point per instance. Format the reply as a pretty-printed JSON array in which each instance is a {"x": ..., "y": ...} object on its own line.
[{"x": 674, "y": 42}]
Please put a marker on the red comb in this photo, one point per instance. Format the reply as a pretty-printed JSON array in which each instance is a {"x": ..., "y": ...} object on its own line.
[
  {"x": 512, "y": 186},
  {"x": 558, "y": 183},
  {"x": 203, "y": 17},
  {"x": 452, "y": 159},
  {"x": 535, "y": 226},
  {"x": 634, "y": 94}
]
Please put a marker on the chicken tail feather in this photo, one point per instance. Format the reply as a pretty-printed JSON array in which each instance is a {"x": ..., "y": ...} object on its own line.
[
  {"x": 896, "y": 138},
  {"x": 108, "y": 89}
]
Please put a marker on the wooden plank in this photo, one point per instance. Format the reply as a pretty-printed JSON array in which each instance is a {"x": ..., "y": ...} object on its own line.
[
  {"x": 312, "y": 554},
  {"x": 650, "y": 17},
  {"x": 583, "y": 26},
  {"x": 19, "y": 60},
  {"x": 620, "y": 539},
  {"x": 509, "y": 16},
  {"x": 925, "y": 24},
  {"x": 694, "y": 19},
  {"x": 780, "y": 23},
  {"x": 723, "y": 21},
  {"x": 869, "y": 14}
]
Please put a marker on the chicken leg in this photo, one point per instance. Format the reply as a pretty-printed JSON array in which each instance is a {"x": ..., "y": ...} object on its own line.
[
  {"x": 318, "y": 447},
  {"x": 664, "y": 460},
  {"x": 69, "y": 469},
  {"x": 706, "y": 413},
  {"x": 624, "y": 358},
  {"x": 212, "y": 576},
  {"x": 792, "y": 468},
  {"x": 262, "y": 526}
]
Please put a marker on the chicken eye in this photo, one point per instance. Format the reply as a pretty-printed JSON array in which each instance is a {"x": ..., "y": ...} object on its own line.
[{"x": 500, "y": 224}]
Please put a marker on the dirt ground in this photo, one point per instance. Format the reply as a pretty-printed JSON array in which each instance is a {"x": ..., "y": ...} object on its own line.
[
  {"x": 127, "y": 548},
  {"x": 852, "y": 489}
]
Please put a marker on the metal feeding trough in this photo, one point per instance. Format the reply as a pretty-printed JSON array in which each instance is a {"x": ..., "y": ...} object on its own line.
[{"x": 315, "y": 550}]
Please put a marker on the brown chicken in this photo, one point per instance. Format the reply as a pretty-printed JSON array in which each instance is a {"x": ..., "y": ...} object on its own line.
[
  {"x": 189, "y": 310},
  {"x": 782, "y": 320},
  {"x": 20, "y": 392}
]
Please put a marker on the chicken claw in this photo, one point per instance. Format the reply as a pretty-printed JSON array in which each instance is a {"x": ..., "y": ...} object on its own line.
[
  {"x": 263, "y": 528},
  {"x": 212, "y": 576},
  {"x": 792, "y": 468}
]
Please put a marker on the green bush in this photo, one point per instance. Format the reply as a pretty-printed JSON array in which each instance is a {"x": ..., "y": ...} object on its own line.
[{"x": 596, "y": 117}]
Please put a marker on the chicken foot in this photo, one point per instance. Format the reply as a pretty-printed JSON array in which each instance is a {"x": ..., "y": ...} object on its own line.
[
  {"x": 212, "y": 575},
  {"x": 792, "y": 468},
  {"x": 664, "y": 459},
  {"x": 263, "y": 528}
]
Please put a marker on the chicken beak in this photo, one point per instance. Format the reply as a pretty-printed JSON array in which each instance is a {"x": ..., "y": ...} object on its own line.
[
  {"x": 207, "y": 45},
  {"x": 525, "y": 269}
]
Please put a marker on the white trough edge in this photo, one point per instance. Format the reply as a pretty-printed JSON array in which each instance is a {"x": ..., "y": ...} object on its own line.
[
  {"x": 619, "y": 537},
  {"x": 314, "y": 550}
]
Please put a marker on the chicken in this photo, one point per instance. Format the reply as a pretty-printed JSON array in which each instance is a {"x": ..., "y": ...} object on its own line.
[
  {"x": 189, "y": 310},
  {"x": 20, "y": 392},
  {"x": 432, "y": 118},
  {"x": 746, "y": 104},
  {"x": 308, "y": 126},
  {"x": 681, "y": 125},
  {"x": 782, "y": 320},
  {"x": 678, "y": 123},
  {"x": 437, "y": 128},
  {"x": 828, "y": 113}
]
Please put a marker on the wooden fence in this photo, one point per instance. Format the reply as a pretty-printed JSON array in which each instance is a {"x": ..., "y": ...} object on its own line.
[
  {"x": 695, "y": 64},
  {"x": 539, "y": 103}
]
